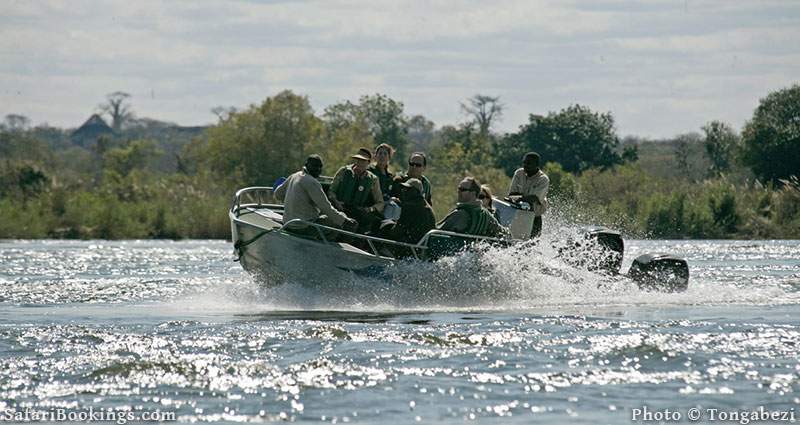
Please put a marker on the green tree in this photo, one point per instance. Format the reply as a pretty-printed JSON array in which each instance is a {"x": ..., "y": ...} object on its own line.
[
  {"x": 771, "y": 138},
  {"x": 136, "y": 155},
  {"x": 16, "y": 122},
  {"x": 420, "y": 133},
  {"x": 483, "y": 110},
  {"x": 383, "y": 116},
  {"x": 682, "y": 155},
  {"x": 23, "y": 179},
  {"x": 576, "y": 137},
  {"x": 721, "y": 142},
  {"x": 339, "y": 143},
  {"x": 257, "y": 145}
]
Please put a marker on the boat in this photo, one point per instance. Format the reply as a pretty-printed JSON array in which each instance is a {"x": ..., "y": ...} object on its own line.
[{"x": 266, "y": 247}]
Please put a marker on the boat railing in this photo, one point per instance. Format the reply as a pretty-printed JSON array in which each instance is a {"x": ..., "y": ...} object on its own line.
[
  {"x": 373, "y": 242},
  {"x": 255, "y": 196},
  {"x": 476, "y": 238}
]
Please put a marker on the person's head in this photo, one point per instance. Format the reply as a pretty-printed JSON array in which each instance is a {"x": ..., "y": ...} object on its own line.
[
  {"x": 530, "y": 162},
  {"x": 313, "y": 165},
  {"x": 486, "y": 196},
  {"x": 468, "y": 190},
  {"x": 383, "y": 153},
  {"x": 416, "y": 164},
  {"x": 361, "y": 160},
  {"x": 412, "y": 189}
]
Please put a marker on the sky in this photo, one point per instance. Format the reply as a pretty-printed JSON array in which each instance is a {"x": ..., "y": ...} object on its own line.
[{"x": 661, "y": 67}]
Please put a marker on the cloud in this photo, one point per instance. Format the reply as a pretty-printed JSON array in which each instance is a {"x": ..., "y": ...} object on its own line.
[{"x": 662, "y": 67}]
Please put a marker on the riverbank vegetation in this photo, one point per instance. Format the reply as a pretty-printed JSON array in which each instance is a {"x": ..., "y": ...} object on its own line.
[{"x": 143, "y": 178}]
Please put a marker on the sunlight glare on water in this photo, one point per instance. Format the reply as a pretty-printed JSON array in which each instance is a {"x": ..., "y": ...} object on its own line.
[{"x": 178, "y": 326}]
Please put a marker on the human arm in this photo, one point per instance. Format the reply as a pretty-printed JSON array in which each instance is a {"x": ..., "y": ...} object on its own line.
[
  {"x": 280, "y": 192},
  {"x": 377, "y": 197},
  {"x": 337, "y": 180}
]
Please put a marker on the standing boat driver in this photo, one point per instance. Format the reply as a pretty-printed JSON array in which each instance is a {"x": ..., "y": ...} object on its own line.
[
  {"x": 303, "y": 198},
  {"x": 357, "y": 192},
  {"x": 417, "y": 163},
  {"x": 469, "y": 216},
  {"x": 530, "y": 185}
]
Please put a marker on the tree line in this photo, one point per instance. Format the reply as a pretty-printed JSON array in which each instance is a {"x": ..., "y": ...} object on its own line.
[{"x": 150, "y": 179}]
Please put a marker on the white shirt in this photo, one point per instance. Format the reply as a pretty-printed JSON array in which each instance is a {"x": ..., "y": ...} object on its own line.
[{"x": 537, "y": 184}]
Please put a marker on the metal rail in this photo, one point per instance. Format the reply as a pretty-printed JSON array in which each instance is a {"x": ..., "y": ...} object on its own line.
[{"x": 416, "y": 249}]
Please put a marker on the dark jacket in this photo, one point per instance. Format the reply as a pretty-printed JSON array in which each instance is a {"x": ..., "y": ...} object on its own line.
[
  {"x": 416, "y": 218},
  {"x": 385, "y": 180}
]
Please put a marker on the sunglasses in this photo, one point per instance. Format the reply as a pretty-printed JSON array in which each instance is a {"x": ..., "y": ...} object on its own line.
[
  {"x": 482, "y": 196},
  {"x": 415, "y": 164},
  {"x": 465, "y": 189}
]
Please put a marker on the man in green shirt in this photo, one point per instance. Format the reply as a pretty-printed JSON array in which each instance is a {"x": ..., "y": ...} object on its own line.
[{"x": 357, "y": 192}]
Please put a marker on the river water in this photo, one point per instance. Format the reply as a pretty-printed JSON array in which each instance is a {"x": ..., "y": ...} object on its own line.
[{"x": 179, "y": 328}]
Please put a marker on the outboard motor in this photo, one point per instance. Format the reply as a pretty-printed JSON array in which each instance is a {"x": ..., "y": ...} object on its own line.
[
  {"x": 611, "y": 252},
  {"x": 600, "y": 249},
  {"x": 660, "y": 272}
]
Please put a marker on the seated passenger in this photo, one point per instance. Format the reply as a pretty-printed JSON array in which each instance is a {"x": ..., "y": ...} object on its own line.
[
  {"x": 469, "y": 217},
  {"x": 383, "y": 154},
  {"x": 416, "y": 167},
  {"x": 416, "y": 217},
  {"x": 304, "y": 199},
  {"x": 357, "y": 192}
]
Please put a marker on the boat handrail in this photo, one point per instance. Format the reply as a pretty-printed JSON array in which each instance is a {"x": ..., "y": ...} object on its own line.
[
  {"x": 369, "y": 239},
  {"x": 236, "y": 205},
  {"x": 434, "y": 232}
]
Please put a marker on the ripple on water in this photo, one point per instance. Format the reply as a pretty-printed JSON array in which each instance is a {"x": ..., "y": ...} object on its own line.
[{"x": 511, "y": 339}]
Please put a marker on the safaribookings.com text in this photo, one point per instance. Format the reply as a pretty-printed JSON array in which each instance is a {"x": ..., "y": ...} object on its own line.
[{"x": 91, "y": 414}]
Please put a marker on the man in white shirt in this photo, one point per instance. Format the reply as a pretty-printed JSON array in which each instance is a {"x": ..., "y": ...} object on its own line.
[{"x": 530, "y": 185}]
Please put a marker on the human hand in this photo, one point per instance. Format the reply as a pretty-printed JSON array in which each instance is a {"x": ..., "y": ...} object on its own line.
[{"x": 350, "y": 225}]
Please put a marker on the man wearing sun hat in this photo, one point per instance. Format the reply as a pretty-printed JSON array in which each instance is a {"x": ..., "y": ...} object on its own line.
[{"x": 357, "y": 192}]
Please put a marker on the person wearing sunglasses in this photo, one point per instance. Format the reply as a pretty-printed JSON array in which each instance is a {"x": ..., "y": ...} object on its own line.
[
  {"x": 530, "y": 185},
  {"x": 469, "y": 216},
  {"x": 417, "y": 163}
]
